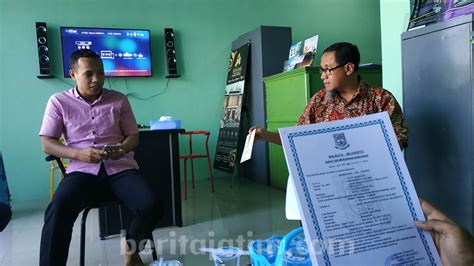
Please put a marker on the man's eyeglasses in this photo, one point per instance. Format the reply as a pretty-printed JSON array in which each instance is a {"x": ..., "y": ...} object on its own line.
[{"x": 328, "y": 71}]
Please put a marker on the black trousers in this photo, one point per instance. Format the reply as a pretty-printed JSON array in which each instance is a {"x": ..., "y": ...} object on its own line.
[{"x": 78, "y": 190}]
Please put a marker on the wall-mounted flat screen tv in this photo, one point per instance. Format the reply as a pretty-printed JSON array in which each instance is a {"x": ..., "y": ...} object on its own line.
[{"x": 124, "y": 52}]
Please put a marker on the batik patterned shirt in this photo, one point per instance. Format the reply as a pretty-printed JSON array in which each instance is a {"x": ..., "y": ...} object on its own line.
[{"x": 330, "y": 106}]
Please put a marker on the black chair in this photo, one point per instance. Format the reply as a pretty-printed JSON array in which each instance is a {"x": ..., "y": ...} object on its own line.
[{"x": 105, "y": 201}]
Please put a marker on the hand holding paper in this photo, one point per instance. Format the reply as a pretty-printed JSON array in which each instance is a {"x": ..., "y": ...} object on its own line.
[{"x": 356, "y": 197}]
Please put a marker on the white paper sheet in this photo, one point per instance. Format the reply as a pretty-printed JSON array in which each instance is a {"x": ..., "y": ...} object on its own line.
[
  {"x": 355, "y": 194},
  {"x": 247, "y": 153}
]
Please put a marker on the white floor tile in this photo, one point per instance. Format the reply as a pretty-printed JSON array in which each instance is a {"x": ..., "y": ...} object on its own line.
[{"x": 247, "y": 210}]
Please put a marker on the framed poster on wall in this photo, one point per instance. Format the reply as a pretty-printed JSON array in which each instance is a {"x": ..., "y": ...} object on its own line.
[
  {"x": 228, "y": 140},
  {"x": 425, "y": 12}
]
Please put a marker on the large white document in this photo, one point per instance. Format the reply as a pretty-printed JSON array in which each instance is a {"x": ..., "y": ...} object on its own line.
[{"x": 355, "y": 194}]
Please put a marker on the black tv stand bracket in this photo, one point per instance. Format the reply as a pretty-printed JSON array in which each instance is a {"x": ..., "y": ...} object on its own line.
[{"x": 45, "y": 76}]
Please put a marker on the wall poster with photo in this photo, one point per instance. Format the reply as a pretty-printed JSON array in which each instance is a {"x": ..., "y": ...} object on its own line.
[
  {"x": 228, "y": 140},
  {"x": 302, "y": 58}
]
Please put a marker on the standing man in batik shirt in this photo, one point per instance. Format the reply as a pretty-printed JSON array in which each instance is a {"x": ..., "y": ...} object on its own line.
[{"x": 345, "y": 95}]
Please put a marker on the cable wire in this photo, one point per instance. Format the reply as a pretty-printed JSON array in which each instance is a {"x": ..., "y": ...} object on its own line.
[
  {"x": 134, "y": 95},
  {"x": 65, "y": 82}
]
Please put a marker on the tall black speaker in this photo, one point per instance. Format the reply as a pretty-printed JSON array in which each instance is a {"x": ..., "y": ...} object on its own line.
[
  {"x": 43, "y": 50},
  {"x": 170, "y": 51}
]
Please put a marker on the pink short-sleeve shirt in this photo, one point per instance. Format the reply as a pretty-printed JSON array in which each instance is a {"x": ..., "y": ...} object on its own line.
[{"x": 107, "y": 120}]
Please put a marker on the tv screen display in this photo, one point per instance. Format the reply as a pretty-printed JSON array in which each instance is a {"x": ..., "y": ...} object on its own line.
[{"x": 124, "y": 52}]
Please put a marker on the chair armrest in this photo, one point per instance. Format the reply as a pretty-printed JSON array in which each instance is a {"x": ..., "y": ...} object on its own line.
[{"x": 50, "y": 158}]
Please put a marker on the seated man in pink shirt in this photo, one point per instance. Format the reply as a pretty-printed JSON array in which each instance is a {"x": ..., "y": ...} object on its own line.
[{"x": 88, "y": 117}]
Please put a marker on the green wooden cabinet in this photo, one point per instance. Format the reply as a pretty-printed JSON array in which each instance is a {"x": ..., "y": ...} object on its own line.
[{"x": 286, "y": 97}]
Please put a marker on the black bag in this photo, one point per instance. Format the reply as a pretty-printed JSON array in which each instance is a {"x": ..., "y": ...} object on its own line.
[{"x": 5, "y": 208}]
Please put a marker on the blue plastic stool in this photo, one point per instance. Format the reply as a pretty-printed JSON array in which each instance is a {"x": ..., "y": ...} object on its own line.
[{"x": 277, "y": 250}]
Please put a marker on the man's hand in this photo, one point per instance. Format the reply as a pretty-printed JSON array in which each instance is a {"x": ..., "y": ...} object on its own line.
[
  {"x": 454, "y": 243},
  {"x": 264, "y": 135},
  {"x": 260, "y": 133},
  {"x": 91, "y": 155}
]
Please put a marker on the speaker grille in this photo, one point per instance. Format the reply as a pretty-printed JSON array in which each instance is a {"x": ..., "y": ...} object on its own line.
[
  {"x": 170, "y": 53},
  {"x": 43, "y": 51}
]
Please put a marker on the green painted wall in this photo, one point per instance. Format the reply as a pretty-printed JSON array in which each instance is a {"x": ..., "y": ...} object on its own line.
[
  {"x": 394, "y": 16},
  {"x": 204, "y": 31}
]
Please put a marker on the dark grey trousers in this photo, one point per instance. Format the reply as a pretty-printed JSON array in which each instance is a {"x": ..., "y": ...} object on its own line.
[{"x": 78, "y": 190}]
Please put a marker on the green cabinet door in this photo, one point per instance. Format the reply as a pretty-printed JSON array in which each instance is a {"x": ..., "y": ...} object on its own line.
[
  {"x": 287, "y": 93},
  {"x": 286, "y": 97}
]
